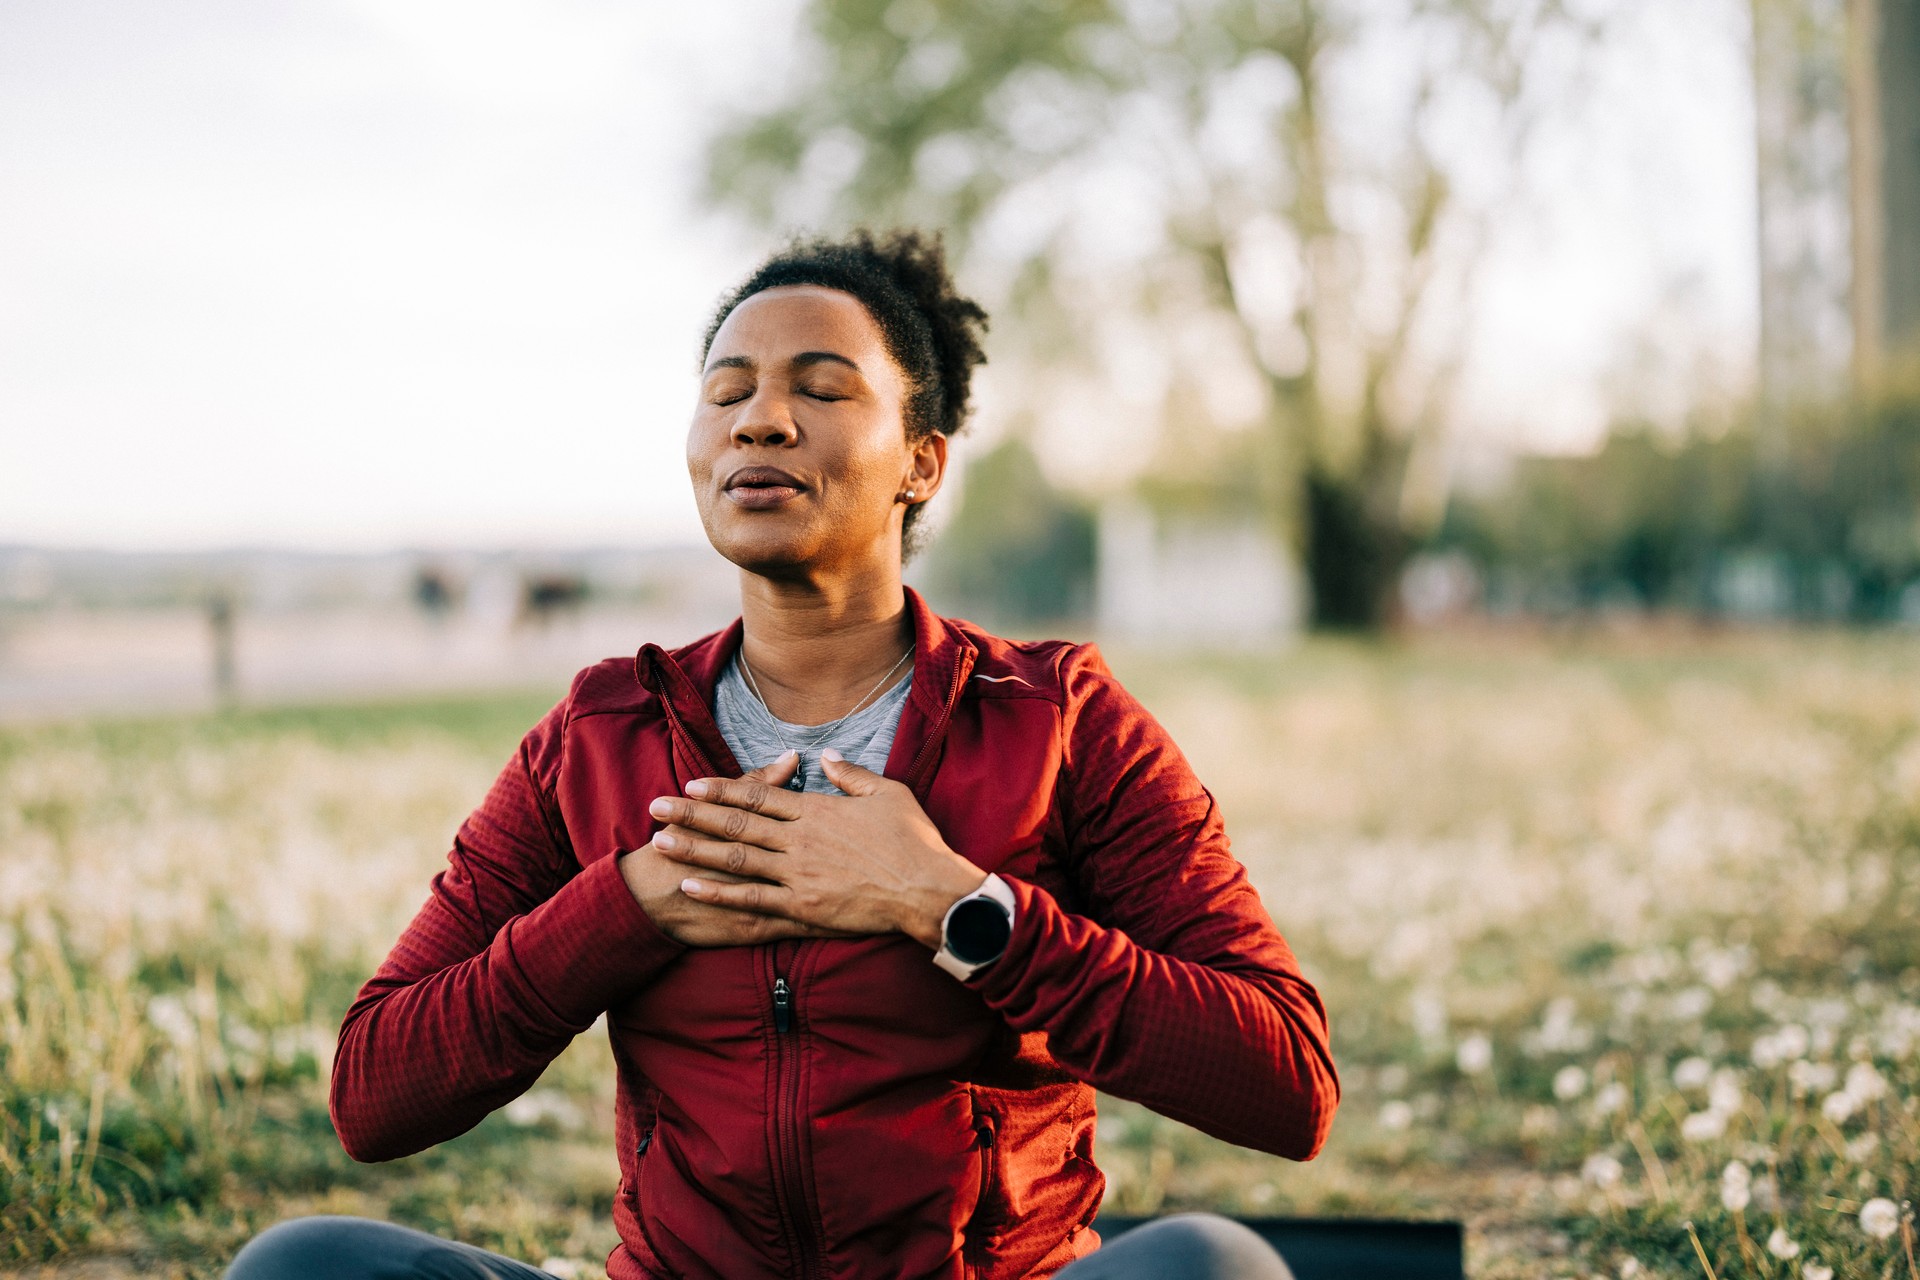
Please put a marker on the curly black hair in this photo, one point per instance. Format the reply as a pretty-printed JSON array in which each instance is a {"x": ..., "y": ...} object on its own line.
[{"x": 902, "y": 279}]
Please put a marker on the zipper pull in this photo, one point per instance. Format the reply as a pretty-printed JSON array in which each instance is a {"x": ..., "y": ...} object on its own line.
[{"x": 782, "y": 1006}]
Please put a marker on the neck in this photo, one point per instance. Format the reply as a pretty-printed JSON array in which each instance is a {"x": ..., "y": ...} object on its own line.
[{"x": 815, "y": 647}]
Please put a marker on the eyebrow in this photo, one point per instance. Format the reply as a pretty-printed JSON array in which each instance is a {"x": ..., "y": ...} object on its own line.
[{"x": 800, "y": 361}]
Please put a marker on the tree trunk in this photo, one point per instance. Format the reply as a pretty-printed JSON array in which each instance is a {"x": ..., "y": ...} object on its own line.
[
  {"x": 1884, "y": 75},
  {"x": 1354, "y": 551}
]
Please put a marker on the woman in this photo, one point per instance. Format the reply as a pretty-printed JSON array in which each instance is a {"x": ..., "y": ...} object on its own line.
[{"x": 860, "y": 998}]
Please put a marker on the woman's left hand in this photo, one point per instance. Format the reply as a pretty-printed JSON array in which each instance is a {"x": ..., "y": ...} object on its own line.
[{"x": 869, "y": 861}]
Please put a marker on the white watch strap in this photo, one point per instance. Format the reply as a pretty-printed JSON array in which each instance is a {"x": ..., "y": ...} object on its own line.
[{"x": 998, "y": 890}]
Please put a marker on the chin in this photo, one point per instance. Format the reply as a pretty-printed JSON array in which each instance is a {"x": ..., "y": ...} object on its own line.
[{"x": 769, "y": 551}]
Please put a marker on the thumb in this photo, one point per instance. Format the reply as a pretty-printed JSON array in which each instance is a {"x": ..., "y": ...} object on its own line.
[
  {"x": 848, "y": 776},
  {"x": 777, "y": 772}
]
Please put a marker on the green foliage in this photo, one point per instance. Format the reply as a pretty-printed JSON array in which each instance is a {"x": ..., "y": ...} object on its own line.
[
  {"x": 1017, "y": 550},
  {"x": 1825, "y": 525}
]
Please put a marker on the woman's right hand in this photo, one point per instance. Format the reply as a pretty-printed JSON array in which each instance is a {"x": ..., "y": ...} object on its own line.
[{"x": 655, "y": 884}]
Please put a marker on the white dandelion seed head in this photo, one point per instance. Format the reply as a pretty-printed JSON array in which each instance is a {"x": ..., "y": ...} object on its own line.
[
  {"x": 1475, "y": 1055},
  {"x": 1782, "y": 1245},
  {"x": 1879, "y": 1217},
  {"x": 1692, "y": 1073},
  {"x": 1602, "y": 1170},
  {"x": 1838, "y": 1106},
  {"x": 1703, "y": 1126},
  {"x": 1814, "y": 1271},
  {"x": 1864, "y": 1083},
  {"x": 1569, "y": 1083}
]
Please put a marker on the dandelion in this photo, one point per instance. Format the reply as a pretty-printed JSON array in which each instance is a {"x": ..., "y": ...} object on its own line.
[
  {"x": 1611, "y": 1098},
  {"x": 1569, "y": 1083},
  {"x": 1838, "y": 1106},
  {"x": 1396, "y": 1116},
  {"x": 1602, "y": 1170},
  {"x": 1736, "y": 1186},
  {"x": 1782, "y": 1245},
  {"x": 1724, "y": 1093},
  {"x": 1811, "y": 1077},
  {"x": 1475, "y": 1055},
  {"x": 1880, "y": 1217},
  {"x": 1861, "y": 1149},
  {"x": 1814, "y": 1271},
  {"x": 1692, "y": 1073},
  {"x": 1864, "y": 1084},
  {"x": 1703, "y": 1126}
]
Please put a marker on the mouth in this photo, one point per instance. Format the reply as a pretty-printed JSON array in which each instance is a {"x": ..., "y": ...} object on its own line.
[{"x": 762, "y": 488}]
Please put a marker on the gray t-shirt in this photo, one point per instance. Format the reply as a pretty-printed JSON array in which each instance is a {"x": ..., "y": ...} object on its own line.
[{"x": 757, "y": 737}]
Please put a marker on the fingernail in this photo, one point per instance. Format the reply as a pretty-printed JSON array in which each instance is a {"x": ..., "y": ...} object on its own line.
[
  {"x": 831, "y": 754},
  {"x": 788, "y": 754},
  {"x": 664, "y": 841},
  {"x": 692, "y": 886},
  {"x": 698, "y": 787},
  {"x": 661, "y": 808}
]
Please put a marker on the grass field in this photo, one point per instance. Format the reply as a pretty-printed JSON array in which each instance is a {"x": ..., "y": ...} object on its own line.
[{"x": 1618, "y": 932}]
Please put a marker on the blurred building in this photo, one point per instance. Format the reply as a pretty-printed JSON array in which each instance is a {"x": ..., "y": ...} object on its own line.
[{"x": 1193, "y": 579}]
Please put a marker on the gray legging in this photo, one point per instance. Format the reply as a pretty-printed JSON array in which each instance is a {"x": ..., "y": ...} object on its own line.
[{"x": 1190, "y": 1246}]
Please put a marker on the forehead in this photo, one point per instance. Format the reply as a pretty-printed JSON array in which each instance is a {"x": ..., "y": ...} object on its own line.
[{"x": 777, "y": 324}]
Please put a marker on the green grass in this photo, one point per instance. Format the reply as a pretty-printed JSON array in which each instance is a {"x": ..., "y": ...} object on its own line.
[{"x": 1597, "y": 916}]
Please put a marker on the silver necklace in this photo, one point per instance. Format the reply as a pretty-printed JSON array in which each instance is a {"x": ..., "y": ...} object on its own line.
[{"x": 820, "y": 732}]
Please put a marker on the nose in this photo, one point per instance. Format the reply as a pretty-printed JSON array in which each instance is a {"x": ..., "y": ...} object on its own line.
[{"x": 765, "y": 419}]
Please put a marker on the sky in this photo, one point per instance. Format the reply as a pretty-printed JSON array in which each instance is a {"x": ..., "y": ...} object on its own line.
[{"x": 358, "y": 274}]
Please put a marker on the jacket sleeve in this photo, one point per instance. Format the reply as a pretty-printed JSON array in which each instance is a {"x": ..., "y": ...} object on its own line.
[
  {"x": 1174, "y": 989},
  {"x": 517, "y": 950}
]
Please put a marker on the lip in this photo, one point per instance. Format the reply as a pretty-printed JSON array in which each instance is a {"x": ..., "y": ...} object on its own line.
[{"x": 762, "y": 488}]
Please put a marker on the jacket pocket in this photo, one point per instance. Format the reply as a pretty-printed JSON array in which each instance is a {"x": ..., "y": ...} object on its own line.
[{"x": 984, "y": 1224}]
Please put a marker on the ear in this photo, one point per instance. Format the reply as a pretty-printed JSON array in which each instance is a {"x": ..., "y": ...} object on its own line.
[{"x": 928, "y": 468}]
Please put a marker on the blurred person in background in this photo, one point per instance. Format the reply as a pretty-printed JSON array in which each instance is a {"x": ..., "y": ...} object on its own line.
[{"x": 861, "y": 995}]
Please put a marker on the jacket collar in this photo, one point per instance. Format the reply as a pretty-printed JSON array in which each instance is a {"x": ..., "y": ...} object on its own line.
[{"x": 943, "y": 656}]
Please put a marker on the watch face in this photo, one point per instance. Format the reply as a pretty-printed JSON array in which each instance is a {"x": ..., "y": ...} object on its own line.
[{"x": 977, "y": 930}]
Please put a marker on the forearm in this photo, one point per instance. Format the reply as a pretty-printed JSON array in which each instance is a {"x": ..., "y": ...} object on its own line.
[
  {"x": 441, "y": 1036},
  {"x": 1238, "y": 1053}
]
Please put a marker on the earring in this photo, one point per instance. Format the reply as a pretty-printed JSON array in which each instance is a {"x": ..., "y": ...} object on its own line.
[{"x": 909, "y": 495}]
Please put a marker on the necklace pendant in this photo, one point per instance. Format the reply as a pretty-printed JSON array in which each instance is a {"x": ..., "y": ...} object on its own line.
[{"x": 798, "y": 782}]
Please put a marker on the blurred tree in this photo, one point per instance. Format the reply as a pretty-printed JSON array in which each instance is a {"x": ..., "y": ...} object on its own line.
[
  {"x": 1273, "y": 186},
  {"x": 1017, "y": 550},
  {"x": 1655, "y": 521},
  {"x": 1883, "y": 75}
]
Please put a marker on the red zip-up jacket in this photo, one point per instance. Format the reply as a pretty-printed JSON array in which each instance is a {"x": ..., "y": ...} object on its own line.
[{"x": 890, "y": 1121}]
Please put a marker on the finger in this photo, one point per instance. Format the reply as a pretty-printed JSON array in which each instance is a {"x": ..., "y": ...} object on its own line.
[
  {"x": 778, "y": 772},
  {"x": 718, "y": 855},
  {"x": 750, "y": 794},
  {"x": 719, "y": 820},
  {"x": 761, "y": 899},
  {"x": 848, "y": 776}
]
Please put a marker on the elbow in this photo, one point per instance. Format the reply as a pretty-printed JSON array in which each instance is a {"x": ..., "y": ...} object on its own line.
[
  {"x": 1312, "y": 1114},
  {"x": 368, "y": 1132},
  {"x": 361, "y": 1135}
]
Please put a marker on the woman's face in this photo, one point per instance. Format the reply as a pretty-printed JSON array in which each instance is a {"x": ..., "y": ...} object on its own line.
[{"x": 798, "y": 449}]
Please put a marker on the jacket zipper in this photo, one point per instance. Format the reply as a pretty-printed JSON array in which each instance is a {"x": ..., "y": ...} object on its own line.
[
  {"x": 786, "y": 1067},
  {"x": 782, "y": 1006},
  {"x": 806, "y": 1246}
]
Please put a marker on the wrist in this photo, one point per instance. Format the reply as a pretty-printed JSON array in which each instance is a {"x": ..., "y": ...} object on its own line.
[{"x": 923, "y": 921}]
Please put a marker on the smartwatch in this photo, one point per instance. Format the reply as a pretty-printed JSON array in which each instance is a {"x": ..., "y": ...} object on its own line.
[{"x": 976, "y": 929}]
